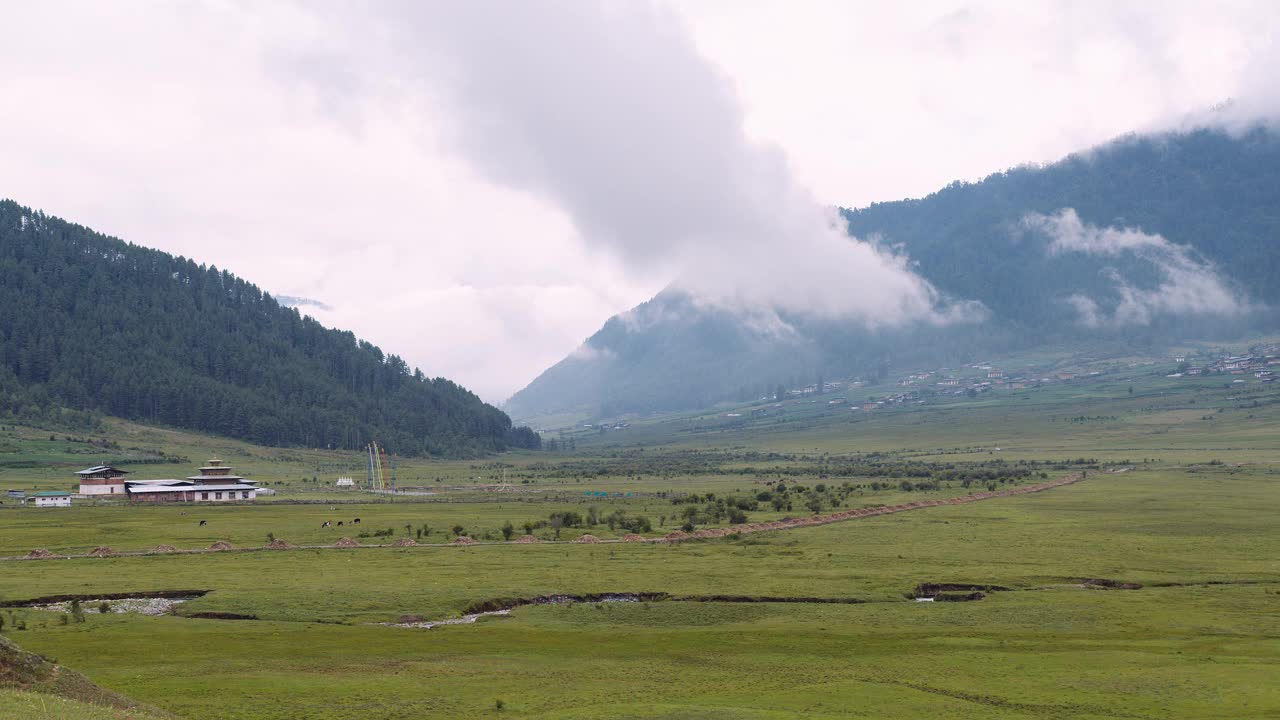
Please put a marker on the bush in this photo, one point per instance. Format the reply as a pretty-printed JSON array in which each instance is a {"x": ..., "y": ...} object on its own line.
[{"x": 568, "y": 518}]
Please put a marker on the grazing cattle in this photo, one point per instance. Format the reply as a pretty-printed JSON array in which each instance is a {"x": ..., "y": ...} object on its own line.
[
  {"x": 326, "y": 524},
  {"x": 339, "y": 523},
  {"x": 202, "y": 523},
  {"x": 356, "y": 521}
]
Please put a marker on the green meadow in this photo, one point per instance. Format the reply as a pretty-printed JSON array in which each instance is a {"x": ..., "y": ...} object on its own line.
[{"x": 1174, "y": 502}]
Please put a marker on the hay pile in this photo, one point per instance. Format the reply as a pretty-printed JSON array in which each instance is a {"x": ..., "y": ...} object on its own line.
[
  {"x": 406, "y": 542},
  {"x": 164, "y": 549},
  {"x": 527, "y": 539},
  {"x": 40, "y": 554},
  {"x": 221, "y": 545},
  {"x": 346, "y": 542},
  {"x": 410, "y": 619},
  {"x": 632, "y": 537},
  {"x": 102, "y": 551},
  {"x": 677, "y": 535},
  {"x": 281, "y": 544},
  {"x": 464, "y": 540},
  {"x": 588, "y": 538}
]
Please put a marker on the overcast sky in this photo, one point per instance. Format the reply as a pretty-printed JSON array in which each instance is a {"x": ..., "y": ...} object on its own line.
[{"x": 478, "y": 186}]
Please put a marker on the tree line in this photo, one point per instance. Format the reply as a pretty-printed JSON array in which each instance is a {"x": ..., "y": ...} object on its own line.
[{"x": 92, "y": 324}]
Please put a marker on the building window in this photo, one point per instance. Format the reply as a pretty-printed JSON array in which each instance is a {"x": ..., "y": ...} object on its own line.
[
  {"x": 204, "y": 496},
  {"x": 217, "y": 496},
  {"x": 245, "y": 494}
]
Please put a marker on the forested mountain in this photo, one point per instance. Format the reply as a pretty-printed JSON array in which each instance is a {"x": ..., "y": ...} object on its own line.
[
  {"x": 91, "y": 323},
  {"x": 1142, "y": 241}
]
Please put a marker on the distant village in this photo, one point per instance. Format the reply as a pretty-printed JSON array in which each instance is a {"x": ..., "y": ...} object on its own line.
[{"x": 917, "y": 387}]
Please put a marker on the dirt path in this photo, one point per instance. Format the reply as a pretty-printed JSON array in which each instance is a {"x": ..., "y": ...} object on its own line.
[{"x": 674, "y": 536}]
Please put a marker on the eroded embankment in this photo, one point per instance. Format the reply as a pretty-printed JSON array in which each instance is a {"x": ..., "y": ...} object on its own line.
[
  {"x": 84, "y": 598},
  {"x": 504, "y": 606}
]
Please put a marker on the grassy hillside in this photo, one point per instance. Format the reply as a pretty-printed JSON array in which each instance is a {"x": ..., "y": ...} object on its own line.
[{"x": 33, "y": 686}]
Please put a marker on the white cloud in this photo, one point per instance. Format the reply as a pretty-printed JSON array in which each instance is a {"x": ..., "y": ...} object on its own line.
[
  {"x": 249, "y": 135},
  {"x": 609, "y": 112},
  {"x": 1188, "y": 286}
]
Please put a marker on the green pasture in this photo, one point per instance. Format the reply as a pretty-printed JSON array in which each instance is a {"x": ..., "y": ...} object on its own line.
[
  {"x": 1147, "y": 527},
  {"x": 1191, "y": 518},
  {"x": 1172, "y": 652},
  {"x": 1046, "y": 649}
]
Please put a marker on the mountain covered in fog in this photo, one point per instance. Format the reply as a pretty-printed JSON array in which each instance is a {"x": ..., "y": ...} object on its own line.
[{"x": 1142, "y": 241}]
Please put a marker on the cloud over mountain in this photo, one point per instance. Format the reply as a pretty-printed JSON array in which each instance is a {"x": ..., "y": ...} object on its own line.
[{"x": 1186, "y": 285}]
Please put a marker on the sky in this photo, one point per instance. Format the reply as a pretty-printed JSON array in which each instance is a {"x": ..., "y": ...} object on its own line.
[{"x": 477, "y": 187}]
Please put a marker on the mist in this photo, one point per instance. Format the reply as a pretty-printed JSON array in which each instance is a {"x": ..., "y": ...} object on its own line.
[
  {"x": 1188, "y": 285},
  {"x": 610, "y": 113}
]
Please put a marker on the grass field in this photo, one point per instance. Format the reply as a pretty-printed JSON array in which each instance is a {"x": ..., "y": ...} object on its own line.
[{"x": 1193, "y": 522}]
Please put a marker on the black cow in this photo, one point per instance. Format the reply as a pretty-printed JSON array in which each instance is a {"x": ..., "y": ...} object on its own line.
[
  {"x": 203, "y": 523},
  {"x": 356, "y": 521},
  {"x": 339, "y": 523},
  {"x": 326, "y": 524}
]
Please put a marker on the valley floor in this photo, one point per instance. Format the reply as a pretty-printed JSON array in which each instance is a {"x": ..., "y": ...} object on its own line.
[
  {"x": 1199, "y": 639},
  {"x": 730, "y": 627}
]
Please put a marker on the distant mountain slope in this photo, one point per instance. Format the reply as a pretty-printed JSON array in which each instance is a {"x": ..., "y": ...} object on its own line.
[
  {"x": 1140, "y": 241},
  {"x": 94, "y": 323},
  {"x": 1216, "y": 193}
]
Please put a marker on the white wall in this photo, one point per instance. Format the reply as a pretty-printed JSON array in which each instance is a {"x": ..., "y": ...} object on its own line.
[{"x": 102, "y": 489}]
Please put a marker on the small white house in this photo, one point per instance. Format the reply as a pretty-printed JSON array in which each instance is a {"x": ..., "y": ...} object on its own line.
[
  {"x": 52, "y": 499},
  {"x": 345, "y": 483}
]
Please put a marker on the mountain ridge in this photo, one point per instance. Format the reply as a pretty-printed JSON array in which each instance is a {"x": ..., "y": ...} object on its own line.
[{"x": 1139, "y": 241}]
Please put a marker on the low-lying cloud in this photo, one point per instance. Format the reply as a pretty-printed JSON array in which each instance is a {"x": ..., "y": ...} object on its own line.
[
  {"x": 1188, "y": 286},
  {"x": 608, "y": 111}
]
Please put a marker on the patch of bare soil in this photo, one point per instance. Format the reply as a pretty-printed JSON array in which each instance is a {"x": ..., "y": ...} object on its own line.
[
  {"x": 164, "y": 549},
  {"x": 464, "y": 540},
  {"x": 221, "y": 545},
  {"x": 527, "y": 539},
  {"x": 405, "y": 542},
  {"x": 588, "y": 538},
  {"x": 40, "y": 554},
  {"x": 676, "y": 535},
  {"x": 632, "y": 537},
  {"x": 346, "y": 542},
  {"x": 280, "y": 544},
  {"x": 102, "y": 551}
]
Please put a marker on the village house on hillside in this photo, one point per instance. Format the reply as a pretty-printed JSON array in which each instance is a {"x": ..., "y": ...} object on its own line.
[
  {"x": 101, "y": 480},
  {"x": 215, "y": 483}
]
